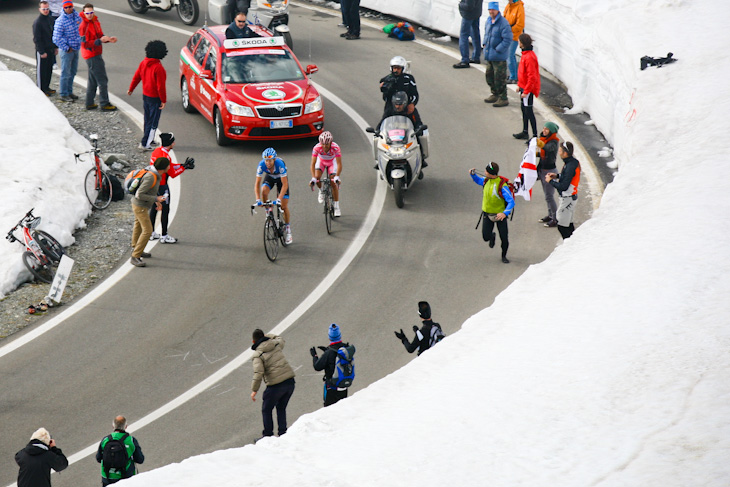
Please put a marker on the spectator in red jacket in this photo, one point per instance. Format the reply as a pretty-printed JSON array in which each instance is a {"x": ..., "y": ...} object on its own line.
[
  {"x": 154, "y": 95},
  {"x": 92, "y": 38},
  {"x": 528, "y": 80}
]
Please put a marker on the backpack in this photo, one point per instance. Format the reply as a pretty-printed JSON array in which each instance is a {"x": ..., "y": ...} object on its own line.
[
  {"x": 403, "y": 31},
  {"x": 117, "y": 189},
  {"x": 344, "y": 368},
  {"x": 437, "y": 335},
  {"x": 133, "y": 179},
  {"x": 114, "y": 456}
]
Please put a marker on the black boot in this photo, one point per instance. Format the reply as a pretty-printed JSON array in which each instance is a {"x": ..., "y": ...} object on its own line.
[
  {"x": 505, "y": 260},
  {"x": 522, "y": 135}
]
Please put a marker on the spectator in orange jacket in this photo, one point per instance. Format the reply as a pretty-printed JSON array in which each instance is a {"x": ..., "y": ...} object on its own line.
[
  {"x": 92, "y": 38},
  {"x": 514, "y": 12},
  {"x": 529, "y": 83},
  {"x": 154, "y": 95}
]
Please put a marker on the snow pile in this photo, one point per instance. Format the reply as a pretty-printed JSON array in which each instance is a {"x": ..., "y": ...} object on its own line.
[
  {"x": 608, "y": 363},
  {"x": 38, "y": 170}
]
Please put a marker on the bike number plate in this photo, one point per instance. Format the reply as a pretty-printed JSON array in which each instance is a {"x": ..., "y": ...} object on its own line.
[{"x": 281, "y": 124}]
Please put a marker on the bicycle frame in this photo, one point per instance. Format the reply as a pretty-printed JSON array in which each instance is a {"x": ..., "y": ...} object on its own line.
[{"x": 28, "y": 223}]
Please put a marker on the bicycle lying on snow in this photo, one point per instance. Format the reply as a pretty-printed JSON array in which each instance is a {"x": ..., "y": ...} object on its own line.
[{"x": 42, "y": 252}]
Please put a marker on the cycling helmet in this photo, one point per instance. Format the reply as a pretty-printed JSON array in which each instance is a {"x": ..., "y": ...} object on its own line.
[
  {"x": 400, "y": 98},
  {"x": 398, "y": 61},
  {"x": 270, "y": 152},
  {"x": 325, "y": 138}
]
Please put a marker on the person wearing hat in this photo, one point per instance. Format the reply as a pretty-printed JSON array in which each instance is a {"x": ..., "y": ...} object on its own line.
[
  {"x": 547, "y": 153},
  {"x": 93, "y": 37},
  {"x": 66, "y": 36},
  {"x": 37, "y": 459},
  {"x": 167, "y": 143},
  {"x": 497, "y": 204},
  {"x": 271, "y": 366},
  {"x": 497, "y": 39},
  {"x": 154, "y": 93},
  {"x": 567, "y": 185},
  {"x": 427, "y": 336},
  {"x": 327, "y": 362}
]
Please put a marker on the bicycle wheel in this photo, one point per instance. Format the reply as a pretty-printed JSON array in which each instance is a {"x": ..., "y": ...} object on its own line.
[
  {"x": 48, "y": 245},
  {"x": 40, "y": 271},
  {"x": 328, "y": 210},
  {"x": 98, "y": 190},
  {"x": 271, "y": 239}
]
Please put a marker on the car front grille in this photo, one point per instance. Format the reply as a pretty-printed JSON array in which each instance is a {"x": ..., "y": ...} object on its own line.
[{"x": 271, "y": 111}]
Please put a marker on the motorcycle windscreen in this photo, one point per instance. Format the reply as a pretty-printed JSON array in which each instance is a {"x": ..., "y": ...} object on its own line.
[{"x": 397, "y": 129}]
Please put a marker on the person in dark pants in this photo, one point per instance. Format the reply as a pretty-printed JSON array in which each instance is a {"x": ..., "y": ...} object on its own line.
[
  {"x": 351, "y": 10},
  {"x": 37, "y": 459},
  {"x": 134, "y": 453},
  {"x": 235, "y": 6},
  {"x": 497, "y": 39},
  {"x": 470, "y": 11},
  {"x": 93, "y": 38},
  {"x": 45, "y": 49},
  {"x": 567, "y": 185},
  {"x": 423, "y": 339},
  {"x": 529, "y": 83},
  {"x": 548, "y": 152},
  {"x": 270, "y": 365},
  {"x": 497, "y": 204},
  {"x": 327, "y": 362},
  {"x": 154, "y": 95}
]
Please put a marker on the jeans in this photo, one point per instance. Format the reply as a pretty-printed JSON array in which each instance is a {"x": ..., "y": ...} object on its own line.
[
  {"x": 512, "y": 60},
  {"x": 549, "y": 191},
  {"x": 69, "y": 65},
  {"x": 97, "y": 78},
  {"x": 152, "y": 114},
  {"x": 343, "y": 8},
  {"x": 469, "y": 28},
  {"x": 276, "y": 396},
  {"x": 352, "y": 13}
]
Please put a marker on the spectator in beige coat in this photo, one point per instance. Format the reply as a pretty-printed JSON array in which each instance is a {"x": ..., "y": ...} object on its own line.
[{"x": 270, "y": 365}]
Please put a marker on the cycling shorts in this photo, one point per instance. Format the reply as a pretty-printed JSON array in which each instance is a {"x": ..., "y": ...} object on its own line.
[
  {"x": 275, "y": 182},
  {"x": 331, "y": 165}
]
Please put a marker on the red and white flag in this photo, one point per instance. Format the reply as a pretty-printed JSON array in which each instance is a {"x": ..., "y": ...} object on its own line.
[{"x": 525, "y": 180}]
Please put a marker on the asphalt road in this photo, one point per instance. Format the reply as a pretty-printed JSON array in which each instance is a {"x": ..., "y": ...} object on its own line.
[{"x": 165, "y": 328}]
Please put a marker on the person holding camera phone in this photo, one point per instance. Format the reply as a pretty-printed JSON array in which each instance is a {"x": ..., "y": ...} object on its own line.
[{"x": 37, "y": 459}]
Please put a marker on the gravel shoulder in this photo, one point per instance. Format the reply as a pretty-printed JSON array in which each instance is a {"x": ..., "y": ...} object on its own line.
[{"x": 105, "y": 242}]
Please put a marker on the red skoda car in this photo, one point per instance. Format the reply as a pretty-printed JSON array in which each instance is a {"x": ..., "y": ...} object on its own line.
[{"x": 250, "y": 89}]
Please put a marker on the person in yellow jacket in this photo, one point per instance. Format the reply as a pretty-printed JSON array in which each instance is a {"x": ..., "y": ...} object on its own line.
[
  {"x": 497, "y": 204},
  {"x": 514, "y": 12}
]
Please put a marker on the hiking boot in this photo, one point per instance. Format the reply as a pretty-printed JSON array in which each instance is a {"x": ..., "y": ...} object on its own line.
[
  {"x": 156, "y": 235},
  {"x": 137, "y": 262},
  {"x": 492, "y": 239},
  {"x": 93, "y": 106},
  {"x": 545, "y": 219},
  {"x": 73, "y": 97},
  {"x": 320, "y": 197},
  {"x": 145, "y": 255},
  {"x": 49, "y": 92},
  {"x": 501, "y": 103},
  {"x": 505, "y": 260},
  {"x": 108, "y": 108},
  {"x": 67, "y": 99},
  {"x": 511, "y": 81},
  {"x": 491, "y": 99},
  {"x": 168, "y": 239},
  {"x": 461, "y": 65},
  {"x": 521, "y": 135},
  {"x": 552, "y": 224}
]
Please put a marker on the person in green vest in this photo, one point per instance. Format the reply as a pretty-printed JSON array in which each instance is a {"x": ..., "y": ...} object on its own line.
[
  {"x": 112, "y": 468},
  {"x": 497, "y": 204}
]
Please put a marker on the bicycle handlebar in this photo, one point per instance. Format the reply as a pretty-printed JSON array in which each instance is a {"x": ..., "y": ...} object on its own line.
[
  {"x": 27, "y": 216},
  {"x": 265, "y": 204}
]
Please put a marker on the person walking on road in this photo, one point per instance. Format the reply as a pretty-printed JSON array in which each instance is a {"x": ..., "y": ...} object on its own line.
[
  {"x": 45, "y": 49},
  {"x": 328, "y": 362},
  {"x": 548, "y": 152},
  {"x": 37, "y": 459},
  {"x": 66, "y": 36},
  {"x": 93, "y": 37},
  {"x": 470, "y": 11},
  {"x": 529, "y": 84},
  {"x": 427, "y": 336},
  {"x": 514, "y": 12},
  {"x": 143, "y": 199},
  {"x": 497, "y": 204},
  {"x": 118, "y": 454},
  {"x": 154, "y": 94},
  {"x": 271, "y": 366},
  {"x": 497, "y": 39},
  {"x": 567, "y": 185}
]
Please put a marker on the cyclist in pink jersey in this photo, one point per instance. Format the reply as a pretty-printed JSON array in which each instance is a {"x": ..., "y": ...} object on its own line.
[{"x": 326, "y": 155}]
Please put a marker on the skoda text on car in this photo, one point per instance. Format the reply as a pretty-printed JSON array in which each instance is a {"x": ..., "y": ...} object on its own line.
[{"x": 250, "y": 89}]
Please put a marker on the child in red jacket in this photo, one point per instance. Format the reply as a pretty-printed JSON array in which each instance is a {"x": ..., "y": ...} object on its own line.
[{"x": 154, "y": 95}]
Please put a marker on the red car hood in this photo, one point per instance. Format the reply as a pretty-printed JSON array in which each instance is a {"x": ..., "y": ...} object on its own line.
[{"x": 270, "y": 93}]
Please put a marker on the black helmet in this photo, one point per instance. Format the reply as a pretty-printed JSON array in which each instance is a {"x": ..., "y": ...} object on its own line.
[{"x": 400, "y": 98}]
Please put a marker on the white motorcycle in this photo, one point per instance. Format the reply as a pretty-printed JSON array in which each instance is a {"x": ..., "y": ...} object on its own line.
[
  {"x": 187, "y": 10},
  {"x": 272, "y": 14},
  {"x": 399, "y": 151}
]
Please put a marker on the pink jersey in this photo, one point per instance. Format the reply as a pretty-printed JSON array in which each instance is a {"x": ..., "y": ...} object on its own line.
[{"x": 326, "y": 157}]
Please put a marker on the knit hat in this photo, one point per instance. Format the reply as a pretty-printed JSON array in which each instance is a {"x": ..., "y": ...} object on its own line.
[
  {"x": 492, "y": 168},
  {"x": 493, "y": 6},
  {"x": 334, "y": 333},
  {"x": 552, "y": 127},
  {"x": 67, "y": 3},
  {"x": 42, "y": 434},
  {"x": 424, "y": 310},
  {"x": 167, "y": 138}
]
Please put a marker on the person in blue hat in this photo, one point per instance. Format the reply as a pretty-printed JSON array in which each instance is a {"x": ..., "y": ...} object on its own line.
[
  {"x": 497, "y": 40},
  {"x": 328, "y": 362}
]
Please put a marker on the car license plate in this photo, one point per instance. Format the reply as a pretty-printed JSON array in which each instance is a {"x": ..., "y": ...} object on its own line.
[{"x": 281, "y": 124}]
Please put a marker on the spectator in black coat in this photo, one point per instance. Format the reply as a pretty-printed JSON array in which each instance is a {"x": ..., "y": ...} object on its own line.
[
  {"x": 45, "y": 49},
  {"x": 327, "y": 362},
  {"x": 422, "y": 340},
  {"x": 37, "y": 459}
]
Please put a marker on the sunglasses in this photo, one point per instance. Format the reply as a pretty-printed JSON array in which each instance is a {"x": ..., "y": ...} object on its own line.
[
  {"x": 89, "y": 13},
  {"x": 71, "y": 7},
  {"x": 45, "y": 9}
]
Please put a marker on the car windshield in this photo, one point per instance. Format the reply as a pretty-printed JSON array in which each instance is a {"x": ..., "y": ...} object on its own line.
[
  {"x": 397, "y": 129},
  {"x": 261, "y": 67}
]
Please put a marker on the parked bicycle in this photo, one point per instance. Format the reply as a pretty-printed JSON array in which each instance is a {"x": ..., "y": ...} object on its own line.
[
  {"x": 274, "y": 228},
  {"x": 97, "y": 184},
  {"x": 42, "y": 252},
  {"x": 329, "y": 202}
]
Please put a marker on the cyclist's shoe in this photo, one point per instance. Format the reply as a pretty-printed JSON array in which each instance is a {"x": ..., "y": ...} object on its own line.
[
  {"x": 137, "y": 262},
  {"x": 288, "y": 238},
  {"x": 320, "y": 197},
  {"x": 338, "y": 212},
  {"x": 154, "y": 236},
  {"x": 167, "y": 239}
]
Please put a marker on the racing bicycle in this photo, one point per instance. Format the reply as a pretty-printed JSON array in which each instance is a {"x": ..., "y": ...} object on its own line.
[
  {"x": 274, "y": 228},
  {"x": 329, "y": 204},
  {"x": 97, "y": 184},
  {"x": 42, "y": 251}
]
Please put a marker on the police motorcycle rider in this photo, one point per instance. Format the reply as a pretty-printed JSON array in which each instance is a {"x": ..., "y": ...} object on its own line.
[{"x": 397, "y": 81}]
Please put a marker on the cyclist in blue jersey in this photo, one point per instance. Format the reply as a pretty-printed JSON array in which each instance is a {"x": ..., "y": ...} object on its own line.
[{"x": 270, "y": 172}]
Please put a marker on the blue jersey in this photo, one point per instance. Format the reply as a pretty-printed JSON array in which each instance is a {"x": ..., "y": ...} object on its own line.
[{"x": 279, "y": 170}]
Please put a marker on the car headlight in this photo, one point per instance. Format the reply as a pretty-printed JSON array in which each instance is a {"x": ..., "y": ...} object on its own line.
[
  {"x": 314, "y": 106},
  {"x": 240, "y": 110}
]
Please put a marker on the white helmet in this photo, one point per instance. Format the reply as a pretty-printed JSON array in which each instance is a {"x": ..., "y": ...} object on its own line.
[{"x": 398, "y": 61}]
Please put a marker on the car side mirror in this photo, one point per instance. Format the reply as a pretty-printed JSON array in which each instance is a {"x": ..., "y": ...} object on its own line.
[
  {"x": 311, "y": 69},
  {"x": 206, "y": 74}
]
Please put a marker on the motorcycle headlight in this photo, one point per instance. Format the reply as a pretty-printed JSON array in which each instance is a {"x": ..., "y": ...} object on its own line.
[
  {"x": 240, "y": 110},
  {"x": 314, "y": 106},
  {"x": 397, "y": 152}
]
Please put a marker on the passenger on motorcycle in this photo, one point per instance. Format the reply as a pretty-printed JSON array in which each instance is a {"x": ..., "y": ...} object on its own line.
[
  {"x": 326, "y": 155},
  {"x": 270, "y": 172},
  {"x": 239, "y": 29},
  {"x": 397, "y": 81}
]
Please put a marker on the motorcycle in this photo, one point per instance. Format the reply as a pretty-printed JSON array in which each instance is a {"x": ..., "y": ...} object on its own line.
[
  {"x": 187, "y": 10},
  {"x": 399, "y": 150},
  {"x": 272, "y": 14}
]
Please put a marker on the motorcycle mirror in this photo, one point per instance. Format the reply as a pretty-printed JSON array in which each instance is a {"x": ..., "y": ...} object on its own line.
[
  {"x": 370, "y": 130},
  {"x": 311, "y": 69},
  {"x": 421, "y": 129}
]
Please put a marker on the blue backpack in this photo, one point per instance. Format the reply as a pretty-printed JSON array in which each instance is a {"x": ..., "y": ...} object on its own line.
[{"x": 344, "y": 368}]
